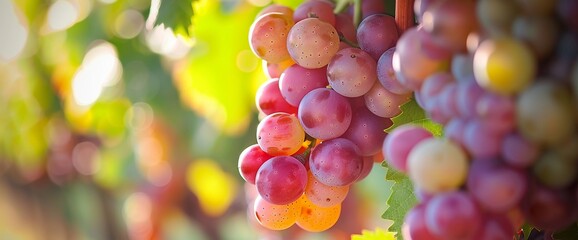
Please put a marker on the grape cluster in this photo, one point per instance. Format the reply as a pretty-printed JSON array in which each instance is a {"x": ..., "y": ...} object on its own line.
[
  {"x": 324, "y": 109},
  {"x": 502, "y": 78}
]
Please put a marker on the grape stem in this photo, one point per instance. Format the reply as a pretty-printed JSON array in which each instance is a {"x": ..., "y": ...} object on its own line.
[
  {"x": 357, "y": 12},
  {"x": 404, "y": 15},
  {"x": 342, "y": 38}
]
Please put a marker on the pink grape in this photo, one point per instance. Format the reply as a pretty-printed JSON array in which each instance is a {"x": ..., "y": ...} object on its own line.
[
  {"x": 336, "y": 162},
  {"x": 280, "y": 134},
  {"x": 344, "y": 25},
  {"x": 376, "y": 34},
  {"x": 366, "y": 169},
  {"x": 315, "y": 118},
  {"x": 268, "y": 35},
  {"x": 518, "y": 151},
  {"x": 453, "y": 215},
  {"x": 317, "y": 9},
  {"x": 399, "y": 143},
  {"x": 351, "y": 72},
  {"x": 250, "y": 160},
  {"x": 324, "y": 195},
  {"x": 312, "y": 43},
  {"x": 269, "y": 99},
  {"x": 281, "y": 180},
  {"x": 451, "y": 21},
  {"x": 481, "y": 141},
  {"x": 297, "y": 81},
  {"x": 384, "y": 103},
  {"x": 468, "y": 96},
  {"x": 416, "y": 223},
  {"x": 494, "y": 227}
]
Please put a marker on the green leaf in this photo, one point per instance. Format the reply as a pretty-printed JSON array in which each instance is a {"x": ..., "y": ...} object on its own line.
[
  {"x": 378, "y": 234},
  {"x": 412, "y": 113},
  {"x": 527, "y": 229},
  {"x": 401, "y": 199},
  {"x": 177, "y": 15}
]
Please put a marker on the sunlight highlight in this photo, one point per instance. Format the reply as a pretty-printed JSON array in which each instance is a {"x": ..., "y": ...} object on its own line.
[
  {"x": 15, "y": 32},
  {"x": 61, "y": 15},
  {"x": 100, "y": 68}
]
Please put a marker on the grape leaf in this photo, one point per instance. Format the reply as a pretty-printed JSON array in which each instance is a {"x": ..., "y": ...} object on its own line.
[
  {"x": 401, "y": 199},
  {"x": 378, "y": 234},
  {"x": 414, "y": 114},
  {"x": 177, "y": 15}
]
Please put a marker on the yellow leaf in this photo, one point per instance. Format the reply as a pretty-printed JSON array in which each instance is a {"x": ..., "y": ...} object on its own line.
[
  {"x": 214, "y": 188},
  {"x": 378, "y": 234}
]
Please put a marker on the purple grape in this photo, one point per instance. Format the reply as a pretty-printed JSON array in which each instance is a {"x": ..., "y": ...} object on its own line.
[
  {"x": 468, "y": 96},
  {"x": 315, "y": 8},
  {"x": 454, "y": 130},
  {"x": 351, "y": 72},
  {"x": 376, "y": 34},
  {"x": 499, "y": 112},
  {"x": 495, "y": 227},
  {"x": 416, "y": 224},
  {"x": 481, "y": 141},
  {"x": 549, "y": 209},
  {"x": 518, "y": 151},
  {"x": 386, "y": 74},
  {"x": 367, "y": 131},
  {"x": 384, "y": 103}
]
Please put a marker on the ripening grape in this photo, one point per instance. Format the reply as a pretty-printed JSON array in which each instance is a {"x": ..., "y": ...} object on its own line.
[
  {"x": 324, "y": 195},
  {"x": 281, "y": 180},
  {"x": 437, "y": 165},
  {"x": 384, "y": 103},
  {"x": 312, "y": 43},
  {"x": 297, "y": 81},
  {"x": 323, "y": 10},
  {"x": 376, "y": 34},
  {"x": 504, "y": 65},
  {"x": 280, "y": 134},
  {"x": 336, "y": 162},
  {"x": 497, "y": 16},
  {"x": 351, "y": 72},
  {"x": 268, "y": 36},
  {"x": 276, "y": 217},
  {"x": 453, "y": 215},
  {"x": 274, "y": 70},
  {"x": 270, "y": 100},
  {"x": 545, "y": 113},
  {"x": 314, "y": 218},
  {"x": 287, "y": 11},
  {"x": 556, "y": 170},
  {"x": 400, "y": 142},
  {"x": 315, "y": 118},
  {"x": 250, "y": 160}
]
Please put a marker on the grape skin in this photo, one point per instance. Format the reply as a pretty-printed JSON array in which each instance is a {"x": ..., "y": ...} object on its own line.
[
  {"x": 281, "y": 180},
  {"x": 280, "y": 134},
  {"x": 312, "y": 43},
  {"x": 268, "y": 35}
]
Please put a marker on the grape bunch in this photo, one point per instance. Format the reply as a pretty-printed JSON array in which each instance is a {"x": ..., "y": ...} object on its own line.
[
  {"x": 324, "y": 109},
  {"x": 501, "y": 76}
]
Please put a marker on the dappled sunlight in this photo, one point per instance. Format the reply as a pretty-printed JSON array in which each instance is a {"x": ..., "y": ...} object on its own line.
[
  {"x": 214, "y": 188},
  {"x": 15, "y": 32}
]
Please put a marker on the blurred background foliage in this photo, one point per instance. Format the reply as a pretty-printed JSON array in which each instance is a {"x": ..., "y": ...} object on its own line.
[{"x": 117, "y": 127}]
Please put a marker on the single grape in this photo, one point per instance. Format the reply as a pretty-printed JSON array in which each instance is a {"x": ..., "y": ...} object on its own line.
[
  {"x": 250, "y": 160},
  {"x": 315, "y": 118},
  {"x": 276, "y": 217},
  {"x": 367, "y": 167},
  {"x": 297, "y": 81},
  {"x": 462, "y": 66},
  {"x": 468, "y": 97},
  {"x": 518, "y": 151},
  {"x": 384, "y": 103},
  {"x": 399, "y": 143},
  {"x": 504, "y": 65},
  {"x": 324, "y": 195},
  {"x": 448, "y": 100},
  {"x": 545, "y": 113},
  {"x": 268, "y": 35},
  {"x": 497, "y": 16},
  {"x": 450, "y": 22},
  {"x": 312, "y": 43},
  {"x": 281, "y": 180},
  {"x": 432, "y": 88},
  {"x": 417, "y": 57},
  {"x": 497, "y": 112},
  {"x": 336, "y": 162},
  {"x": 453, "y": 215},
  {"x": 270, "y": 100},
  {"x": 548, "y": 209},
  {"x": 495, "y": 186},
  {"x": 555, "y": 170},
  {"x": 280, "y": 134},
  {"x": 376, "y": 34},
  {"x": 454, "y": 130},
  {"x": 323, "y": 10},
  {"x": 494, "y": 227},
  {"x": 437, "y": 165},
  {"x": 416, "y": 223},
  {"x": 351, "y": 72},
  {"x": 314, "y": 218},
  {"x": 481, "y": 141},
  {"x": 367, "y": 131},
  {"x": 386, "y": 74}
]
